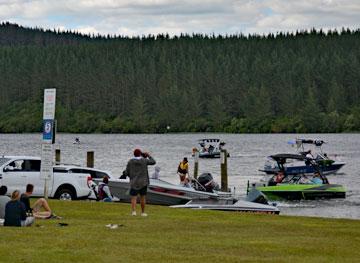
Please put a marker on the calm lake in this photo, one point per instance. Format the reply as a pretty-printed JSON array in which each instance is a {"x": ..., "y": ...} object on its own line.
[{"x": 248, "y": 154}]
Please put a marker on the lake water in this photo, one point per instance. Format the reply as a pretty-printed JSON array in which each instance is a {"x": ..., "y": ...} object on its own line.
[{"x": 248, "y": 153}]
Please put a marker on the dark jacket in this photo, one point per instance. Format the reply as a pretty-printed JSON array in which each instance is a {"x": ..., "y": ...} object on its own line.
[
  {"x": 14, "y": 213},
  {"x": 137, "y": 171}
]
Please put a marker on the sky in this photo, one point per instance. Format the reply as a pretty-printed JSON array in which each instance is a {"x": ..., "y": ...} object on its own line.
[{"x": 144, "y": 17}]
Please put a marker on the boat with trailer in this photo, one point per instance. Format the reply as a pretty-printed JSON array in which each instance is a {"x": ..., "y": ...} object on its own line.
[
  {"x": 301, "y": 166},
  {"x": 298, "y": 186}
]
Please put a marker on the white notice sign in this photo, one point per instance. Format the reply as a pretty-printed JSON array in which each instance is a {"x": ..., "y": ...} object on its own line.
[
  {"x": 49, "y": 104},
  {"x": 46, "y": 170}
]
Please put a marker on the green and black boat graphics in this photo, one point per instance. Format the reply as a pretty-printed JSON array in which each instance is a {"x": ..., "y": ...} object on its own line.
[
  {"x": 297, "y": 187},
  {"x": 302, "y": 191}
]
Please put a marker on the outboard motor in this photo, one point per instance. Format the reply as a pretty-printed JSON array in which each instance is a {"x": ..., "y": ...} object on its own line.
[{"x": 207, "y": 182}]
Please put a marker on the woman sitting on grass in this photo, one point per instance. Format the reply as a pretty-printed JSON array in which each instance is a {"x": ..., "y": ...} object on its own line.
[{"x": 15, "y": 212}]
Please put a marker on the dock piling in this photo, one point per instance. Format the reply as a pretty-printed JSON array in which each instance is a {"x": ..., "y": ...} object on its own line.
[
  {"x": 90, "y": 159},
  {"x": 57, "y": 156},
  {"x": 196, "y": 164},
  {"x": 223, "y": 166}
]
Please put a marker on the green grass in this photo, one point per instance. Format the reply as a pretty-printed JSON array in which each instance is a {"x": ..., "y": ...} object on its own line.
[{"x": 178, "y": 235}]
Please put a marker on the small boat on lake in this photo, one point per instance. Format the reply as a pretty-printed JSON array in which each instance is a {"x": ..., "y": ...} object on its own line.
[
  {"x": 298, "y": 186},
  {"x": 209, "y": 148},
  {"x": 301, "y": 166}
]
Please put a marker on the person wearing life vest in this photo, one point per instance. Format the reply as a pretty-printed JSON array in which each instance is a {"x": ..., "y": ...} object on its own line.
[{"x": 183, "y": 170}]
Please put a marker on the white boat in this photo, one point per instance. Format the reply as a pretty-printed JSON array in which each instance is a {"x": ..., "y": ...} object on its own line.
[
  {"x": 209, "y": 148},
  {"x": 164, "y": 193},
  {"x": 228, "y": 205}
]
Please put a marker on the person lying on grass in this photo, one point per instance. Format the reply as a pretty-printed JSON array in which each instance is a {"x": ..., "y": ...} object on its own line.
[{"x": 38, "y": 205}]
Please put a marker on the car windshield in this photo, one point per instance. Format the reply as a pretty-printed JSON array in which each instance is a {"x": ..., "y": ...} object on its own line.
[{"x": 4, "y": 160}]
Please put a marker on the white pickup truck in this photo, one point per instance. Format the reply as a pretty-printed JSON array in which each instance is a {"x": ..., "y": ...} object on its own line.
[{"x": 68, "y": 181}]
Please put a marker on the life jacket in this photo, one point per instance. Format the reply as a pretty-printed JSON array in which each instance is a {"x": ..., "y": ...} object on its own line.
[{"x": 183, "y": 168}]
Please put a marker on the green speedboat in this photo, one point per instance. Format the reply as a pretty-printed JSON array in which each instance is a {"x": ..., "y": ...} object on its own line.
[
  {"x": 297, "y": 187},
  {"x": 302, "y": 191}
]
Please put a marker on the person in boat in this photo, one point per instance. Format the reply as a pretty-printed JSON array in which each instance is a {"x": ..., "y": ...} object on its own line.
[
  {"x": 183, "y": 170},
  {"x": 104, "y": 193},
  {"x": 276, "y": 179},
  {"x": 316, "y": 179},
  {"x": 211, "y": 148},
  {"x": 279, "y": 177},
  {"x": 137, "y": 171}
]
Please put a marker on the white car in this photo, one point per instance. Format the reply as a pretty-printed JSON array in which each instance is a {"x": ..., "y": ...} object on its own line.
[{"x": 68, "y": 181}]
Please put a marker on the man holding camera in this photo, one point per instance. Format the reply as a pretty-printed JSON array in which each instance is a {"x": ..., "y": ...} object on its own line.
[{"x": 137, "y": 171}]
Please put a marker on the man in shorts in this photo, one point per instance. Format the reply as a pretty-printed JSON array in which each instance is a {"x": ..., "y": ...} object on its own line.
[
  {"x": 137, "y": 171},
  {"x": 38, "y": 205}
]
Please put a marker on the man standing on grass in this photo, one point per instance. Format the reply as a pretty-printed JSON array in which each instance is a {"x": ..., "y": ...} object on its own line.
[{"x": 137, "y": 171}]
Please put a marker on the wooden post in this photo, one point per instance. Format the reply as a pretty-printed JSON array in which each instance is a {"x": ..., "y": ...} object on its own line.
[
  {"x": 57, "y": 156},
  {"x": 90, "y": 159},
  {"x": 196, "y": 164},
  {"x": 223, "y": 166}
]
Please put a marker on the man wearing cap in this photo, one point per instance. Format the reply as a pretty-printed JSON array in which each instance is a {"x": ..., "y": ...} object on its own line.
[{"x": 137, "y": 171}]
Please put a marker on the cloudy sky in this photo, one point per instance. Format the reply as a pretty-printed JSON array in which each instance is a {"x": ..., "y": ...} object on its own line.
[{"x": 143, "y": 17}]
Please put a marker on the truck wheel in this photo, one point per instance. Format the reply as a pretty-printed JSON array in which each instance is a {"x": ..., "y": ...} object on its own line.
[{"x": 66, "y": 194}]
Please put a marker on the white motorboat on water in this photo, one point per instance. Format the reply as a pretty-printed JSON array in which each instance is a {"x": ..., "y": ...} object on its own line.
[{"x": 209, "y": 148}]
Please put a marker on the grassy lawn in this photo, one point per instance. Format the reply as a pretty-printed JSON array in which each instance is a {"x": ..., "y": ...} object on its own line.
[{"x": 178, "y": 235}]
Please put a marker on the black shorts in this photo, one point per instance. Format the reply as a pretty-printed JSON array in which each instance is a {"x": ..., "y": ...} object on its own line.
[{"x": 142, "y": 191}]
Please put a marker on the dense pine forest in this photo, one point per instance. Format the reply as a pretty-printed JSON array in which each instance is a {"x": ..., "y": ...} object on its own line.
[{"x": 306, "y": 81}]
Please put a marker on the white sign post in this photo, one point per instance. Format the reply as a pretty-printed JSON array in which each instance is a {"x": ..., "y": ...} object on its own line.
[{"x": 46, "y": 171}]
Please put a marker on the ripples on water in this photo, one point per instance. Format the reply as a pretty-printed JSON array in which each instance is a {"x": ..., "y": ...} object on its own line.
[{"x": 248, "y": 153}]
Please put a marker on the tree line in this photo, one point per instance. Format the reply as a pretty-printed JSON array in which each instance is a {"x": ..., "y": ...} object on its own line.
[{"x": 306, "y": 81}]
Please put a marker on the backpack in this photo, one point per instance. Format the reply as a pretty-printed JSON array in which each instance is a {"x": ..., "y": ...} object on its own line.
[{"x": 101, "y": 192}]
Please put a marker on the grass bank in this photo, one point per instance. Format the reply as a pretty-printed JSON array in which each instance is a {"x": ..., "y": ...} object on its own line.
[{"x": 176, "y": 235}]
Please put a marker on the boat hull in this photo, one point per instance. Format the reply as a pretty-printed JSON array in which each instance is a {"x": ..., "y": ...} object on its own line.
[
  {"x": 305, "y": 169},
  {"x": 162, "y": 193},
  {"x": 303, "y": 192},
  {"x": 227, "y": 205}
]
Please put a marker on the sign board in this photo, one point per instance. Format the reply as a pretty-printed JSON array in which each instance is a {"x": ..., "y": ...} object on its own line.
[
  {"x": 48, "y": 131},
  {"x": 49, "y": 104},
  {"x": 46, "y": 170}
]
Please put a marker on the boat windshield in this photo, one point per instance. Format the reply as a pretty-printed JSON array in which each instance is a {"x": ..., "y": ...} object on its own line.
[{"x": 4, "y": 160}]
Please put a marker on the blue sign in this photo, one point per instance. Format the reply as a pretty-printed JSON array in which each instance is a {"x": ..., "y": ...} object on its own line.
[{"x": 48, "y": 130}]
